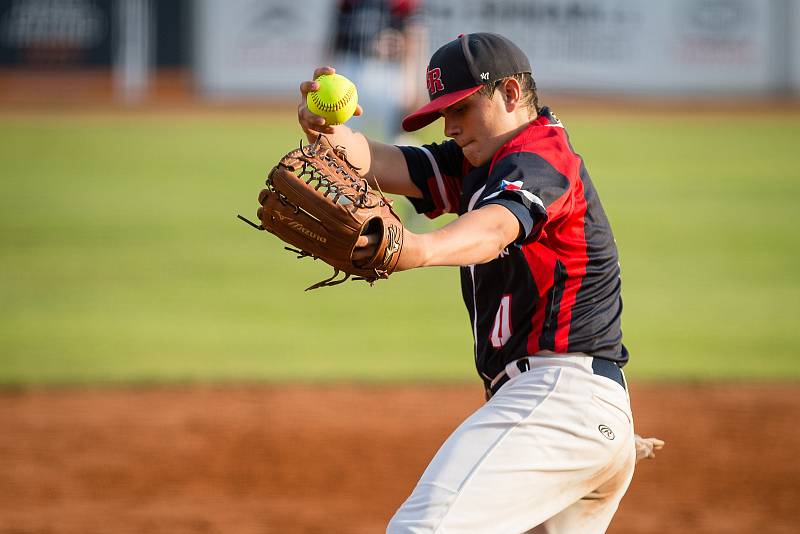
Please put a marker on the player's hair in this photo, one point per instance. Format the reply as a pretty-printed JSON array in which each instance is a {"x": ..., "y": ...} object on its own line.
[{"x": 529, "y": 97}]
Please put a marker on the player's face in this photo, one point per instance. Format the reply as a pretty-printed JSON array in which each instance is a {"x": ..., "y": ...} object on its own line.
[{"x": 480, "y": 126}]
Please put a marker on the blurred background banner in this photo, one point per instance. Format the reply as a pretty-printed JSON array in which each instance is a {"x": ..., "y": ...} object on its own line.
[
  {"x": 626, "y": 46},
  {"x": 246, "y": 47},
  {"x": 93, "y": 51},
  {"x": 261, "y": 48},
  {"x": 631, "y": 46},
  {"x": 793, "y": 20},
  {"x": 41, "y": 33}
]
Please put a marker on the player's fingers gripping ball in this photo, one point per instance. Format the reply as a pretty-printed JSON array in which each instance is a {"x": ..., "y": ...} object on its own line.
[{"x": 335, "y": 100}]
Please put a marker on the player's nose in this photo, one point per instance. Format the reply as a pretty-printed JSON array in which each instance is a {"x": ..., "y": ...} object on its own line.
[{"x": 451, "y": 127}]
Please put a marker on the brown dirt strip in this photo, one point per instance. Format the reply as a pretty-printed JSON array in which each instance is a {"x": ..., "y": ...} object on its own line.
[{"x": 303, "y": 459}]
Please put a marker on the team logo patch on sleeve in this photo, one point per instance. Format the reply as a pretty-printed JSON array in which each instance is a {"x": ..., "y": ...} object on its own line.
[
  {"x": 516, "y": 186},
  {"x": 511, "y": 186}
]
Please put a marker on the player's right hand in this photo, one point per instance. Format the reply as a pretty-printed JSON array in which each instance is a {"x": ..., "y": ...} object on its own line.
[
  {"x": 310, "y": 123},
  {"x": 646, "y": 447}
]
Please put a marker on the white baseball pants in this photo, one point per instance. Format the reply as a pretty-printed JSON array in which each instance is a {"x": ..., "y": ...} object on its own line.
[{"x": 552, "y": 452}]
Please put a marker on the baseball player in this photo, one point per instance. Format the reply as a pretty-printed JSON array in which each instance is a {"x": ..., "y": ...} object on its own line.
[
  {"x": 553, "y": 448},
  {"x": 378, "y": 44}
]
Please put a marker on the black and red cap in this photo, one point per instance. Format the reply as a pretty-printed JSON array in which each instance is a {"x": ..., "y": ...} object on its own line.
[{"x": 459, "y": 69}]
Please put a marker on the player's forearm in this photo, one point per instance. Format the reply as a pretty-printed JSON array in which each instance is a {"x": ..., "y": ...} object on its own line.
[
  {"x": 477, "y": 237},
  {"x": 383, "y": 165},
  {"x": 355, "y": 144}
]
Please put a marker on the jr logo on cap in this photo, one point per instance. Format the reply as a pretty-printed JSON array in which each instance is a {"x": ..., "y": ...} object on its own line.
[{"x": 435, "y": 81}]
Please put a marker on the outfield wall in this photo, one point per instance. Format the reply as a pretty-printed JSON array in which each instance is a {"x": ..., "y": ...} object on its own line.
[
  {"x": 262, "y": 48},
  {"x": 244, "y": 47},
  {"x": 629, "y": 45},
  {"x": 681, "y": 47},
  {"x": 794, "y": 46}
]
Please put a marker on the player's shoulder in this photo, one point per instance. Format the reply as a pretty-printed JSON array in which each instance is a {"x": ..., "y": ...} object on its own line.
[
  {"x": 532, "y": 169},
  {"x": 541, "y": 149},
  {"x": 522, "y": 159},
  {"x": 447, "y": 147},
  {"x": 543, "y": 134},
  {"x": 445, "y": 155}
]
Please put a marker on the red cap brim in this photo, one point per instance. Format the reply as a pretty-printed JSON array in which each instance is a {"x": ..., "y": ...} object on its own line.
[{"x": 431, "y": 111}]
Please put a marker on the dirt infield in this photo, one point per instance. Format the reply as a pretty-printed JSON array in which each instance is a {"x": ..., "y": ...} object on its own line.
[{"x": 308, "y": 459}]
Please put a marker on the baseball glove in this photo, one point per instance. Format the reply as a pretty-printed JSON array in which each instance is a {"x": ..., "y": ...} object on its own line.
[{"x": 316, "y": 201}]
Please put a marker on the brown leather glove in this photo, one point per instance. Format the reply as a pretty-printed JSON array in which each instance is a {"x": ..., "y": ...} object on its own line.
[{"x": 316, "y": 201}]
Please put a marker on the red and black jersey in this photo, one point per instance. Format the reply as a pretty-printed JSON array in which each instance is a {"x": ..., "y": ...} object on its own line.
[{"x": 557, "y": 287}]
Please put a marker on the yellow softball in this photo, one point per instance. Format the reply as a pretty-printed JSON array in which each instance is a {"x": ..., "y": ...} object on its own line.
[{"x": 336, "y": 99}]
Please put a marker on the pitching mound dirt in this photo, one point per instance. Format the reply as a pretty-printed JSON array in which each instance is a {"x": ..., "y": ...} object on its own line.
[{"x": 340, "y": 459}]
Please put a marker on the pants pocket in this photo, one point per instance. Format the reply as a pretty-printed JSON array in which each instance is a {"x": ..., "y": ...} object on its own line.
[{"x": 620, "y": 408}]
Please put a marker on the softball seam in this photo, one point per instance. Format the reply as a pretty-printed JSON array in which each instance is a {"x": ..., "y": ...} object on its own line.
[{"x": 336, "y": 106}]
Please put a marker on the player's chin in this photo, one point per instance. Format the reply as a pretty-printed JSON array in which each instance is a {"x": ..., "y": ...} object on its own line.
[{"x": 474, "y": 155}]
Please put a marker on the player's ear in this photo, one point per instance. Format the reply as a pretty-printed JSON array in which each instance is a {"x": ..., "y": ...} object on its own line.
[{"x": 512, "y": 92}]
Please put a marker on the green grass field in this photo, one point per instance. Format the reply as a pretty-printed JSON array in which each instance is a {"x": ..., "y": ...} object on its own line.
[{"x": 121, "y": 259}]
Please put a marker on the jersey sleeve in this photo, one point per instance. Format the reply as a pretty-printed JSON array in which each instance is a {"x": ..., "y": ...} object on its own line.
[
  {"x": 528, "y": 186},
  {"x": 436, "y": 169}
]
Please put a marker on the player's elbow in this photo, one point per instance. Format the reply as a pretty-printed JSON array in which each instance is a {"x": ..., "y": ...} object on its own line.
[
  {"x": 493, "y": 251},
  {"x": 498, "y": 239},
  {"x": 503, "y": 229}
]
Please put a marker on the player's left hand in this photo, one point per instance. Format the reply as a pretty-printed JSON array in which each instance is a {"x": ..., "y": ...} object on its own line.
[
  {"x": 412, "y": 255},
  {"x": 366, "y": 247}
]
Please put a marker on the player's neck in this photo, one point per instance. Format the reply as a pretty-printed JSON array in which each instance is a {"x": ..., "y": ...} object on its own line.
[{"x": 520, "y": 127}]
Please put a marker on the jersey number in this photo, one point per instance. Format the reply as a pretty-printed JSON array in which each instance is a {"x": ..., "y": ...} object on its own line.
[{"x": 501, "y": 331}]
